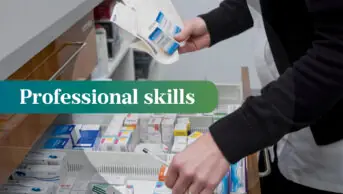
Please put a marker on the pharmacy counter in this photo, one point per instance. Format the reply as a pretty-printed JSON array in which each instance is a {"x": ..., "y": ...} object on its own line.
[{"x": 29, "y": 26}]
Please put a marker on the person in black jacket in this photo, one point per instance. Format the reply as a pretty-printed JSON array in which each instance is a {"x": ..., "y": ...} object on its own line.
[{"x": 304, "y": 104}]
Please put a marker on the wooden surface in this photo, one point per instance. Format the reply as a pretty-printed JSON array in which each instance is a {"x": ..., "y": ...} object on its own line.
[
  {"x": 253, "y": 171},
  {"x": 19, "y": 132}
]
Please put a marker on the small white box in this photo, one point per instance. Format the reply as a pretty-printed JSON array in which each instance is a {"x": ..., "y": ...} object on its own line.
[
  {"x": 178, "y": 147},
  {"x": 180, "y": 139},
  {"x": 122, "y": 144},
  {"x": 183, "y": 120},
  {"x": 161, "y": 188},
  {"x": 107, "y": 143},
  {"x": 112, "y": 130},
  {"x": 115, "y": 125},
  {"x": 75, "y": 134},
  {"x": 154, "y": 125},
  {"x": 131, "y": 120},
  {"x": 154, "y": 130},
  {"x": 125, "y": 133},
  {"x": 168, "y": 125},
  {"x": 181, "y": 129},
  {"x": 143, "y": 126}
]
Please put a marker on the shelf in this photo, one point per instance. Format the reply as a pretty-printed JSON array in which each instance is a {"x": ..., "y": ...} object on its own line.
[{"x": 127, "y": 39}]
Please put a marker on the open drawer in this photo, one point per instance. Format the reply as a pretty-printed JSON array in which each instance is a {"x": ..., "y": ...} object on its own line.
[{"x": 72, "y": 56}]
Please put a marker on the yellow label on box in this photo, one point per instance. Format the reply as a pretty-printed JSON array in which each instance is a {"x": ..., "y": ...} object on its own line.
[
  {"x": 180, "y": 133},
  {"x": 126, "y": 132},
  {"x": 107, "y": 140},
  {"x": 129, "y": 128},
  {"x": 195, "y": 135},
  {"x": 181, "y": 129}
]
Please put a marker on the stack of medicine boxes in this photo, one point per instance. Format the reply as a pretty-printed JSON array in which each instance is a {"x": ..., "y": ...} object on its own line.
[
  {"x": 40, "y": 172},
  {"x": 181, "y": 132},
  {"x": 121, "y": 135},
  {"x": 83, "y": 137}
]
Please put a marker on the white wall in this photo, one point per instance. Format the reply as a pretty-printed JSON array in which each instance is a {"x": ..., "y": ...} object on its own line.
[{"x": 220, "y": 63}]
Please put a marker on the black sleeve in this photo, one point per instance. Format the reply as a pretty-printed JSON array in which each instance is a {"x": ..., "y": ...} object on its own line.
[
  {"x": 299, "y": 97},
  {"x": 231, "y": 18}
]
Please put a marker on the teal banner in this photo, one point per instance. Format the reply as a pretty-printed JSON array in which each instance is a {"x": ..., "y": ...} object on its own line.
[{"x": 58, "y": 97}]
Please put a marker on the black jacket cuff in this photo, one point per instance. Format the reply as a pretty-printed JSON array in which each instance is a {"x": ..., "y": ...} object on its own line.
[{"x": 235, "y": 136}]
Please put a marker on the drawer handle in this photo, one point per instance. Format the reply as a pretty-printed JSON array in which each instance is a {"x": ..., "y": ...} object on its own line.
[
  {"x": 68, "y": 62},
  {"x": 267, "y": 164}
]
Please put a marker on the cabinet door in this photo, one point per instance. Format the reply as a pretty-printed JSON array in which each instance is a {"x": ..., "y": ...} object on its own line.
[{"x": 72, "y": 56}]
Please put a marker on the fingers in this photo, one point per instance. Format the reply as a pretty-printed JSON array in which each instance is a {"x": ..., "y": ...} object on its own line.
[
  {"x": 183, "y": 183},
  {"x": 207, "y": 191},
  {"x": 191, "y": 27},
  {"x": 193, "y": 36},
  {"x": 172, "y": 176},
  {"x": 195, "y": 44},
  {"x": 179, "y": 177},
  {"x": 185, "y": 33},
  {"x": 198, "y": 169},
  {"x": 197, "y": 186},
  {"x": 188, "y": 47},
  {"x": 201, "y": 179}
]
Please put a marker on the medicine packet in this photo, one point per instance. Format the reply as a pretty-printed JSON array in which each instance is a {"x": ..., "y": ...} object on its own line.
[
  {"x": 161, "y": 40},
  {"x": 238, "y": 177},
  {"x": 157, "y": 41},
  {"x": 166, "y": 25}
]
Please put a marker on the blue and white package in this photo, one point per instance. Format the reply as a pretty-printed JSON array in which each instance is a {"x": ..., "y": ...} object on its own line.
[
  {"x": 85, "y": 136},
  {"x": 53, "y": 173},
  {"x": 167, "y": 25},
  {"x": 45, "y": 158},
  {"x": 58, "y": 143},
  {"x": 163, "y": 41},
  {"x": 224, "y": 186},
  {"x": 22, "y": 189},
  {"x": 62, "y": 130},
  {"x": 50, "y": 186},
  {"x": 238, "y": 177},
  {"x": 91, "y": 145}
]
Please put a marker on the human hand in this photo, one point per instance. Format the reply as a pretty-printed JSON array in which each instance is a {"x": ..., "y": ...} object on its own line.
[
  {"x": 198, "y": 169},
  {"x": 195, "y": 35}
]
